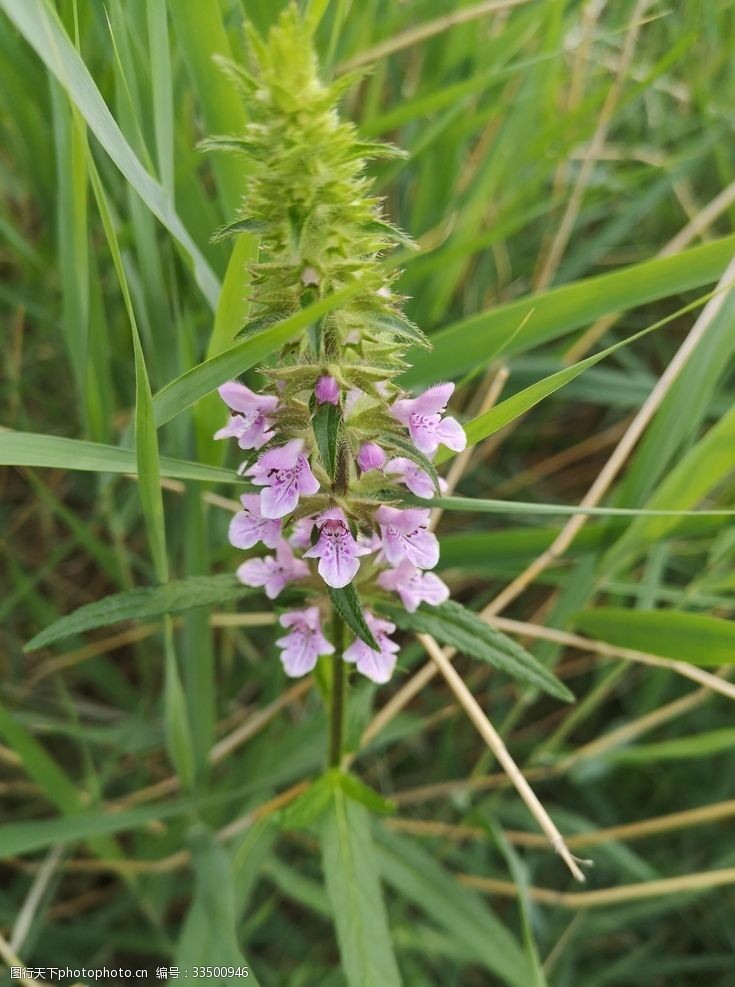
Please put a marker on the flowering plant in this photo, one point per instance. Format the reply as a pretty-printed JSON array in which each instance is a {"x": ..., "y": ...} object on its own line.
[{"x": 333, "y": 445}]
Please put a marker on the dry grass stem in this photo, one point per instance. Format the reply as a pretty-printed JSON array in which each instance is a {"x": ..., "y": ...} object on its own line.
[
  {"x": 691, "y": 672},
  {"x": 702, "y": 815},
  {"x": 495, "y": 742},
  {"x": 10, "y": 958},
  {"x": 688, "y": 883},
  {"x": 623, "y": 449}
]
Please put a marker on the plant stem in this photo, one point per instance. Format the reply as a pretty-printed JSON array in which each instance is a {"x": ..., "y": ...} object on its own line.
[{"x": 337, "y": 699}]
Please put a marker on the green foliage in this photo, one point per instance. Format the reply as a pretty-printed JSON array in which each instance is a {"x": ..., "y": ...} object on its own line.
[
  {"x": 693, "y": 637},
  {"x": 455, "y": 625},
  {"x": 347, "y": 604},
  {"x": 353, "y": 886},
  {"x": 176, "y": 596}
]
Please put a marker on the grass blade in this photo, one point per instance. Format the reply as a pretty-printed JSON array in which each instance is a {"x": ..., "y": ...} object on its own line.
[{"x": 44, "y": 32}]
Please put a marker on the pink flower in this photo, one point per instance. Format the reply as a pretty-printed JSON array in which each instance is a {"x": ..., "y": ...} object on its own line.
[
  {"x": 376, "y": 665},
  {"x": 423, "y": 417},
  {"x": 406, "y": 471},
  {"x": 273, "y": 573},
  {"x": 251, "y": 426},
  {"x": 305, "y": 642},
  {"x": 327, "y": 390},
  {"x": 414, "y": 586},
  {"x": 286, "y": 475},
  {"x": 300, "y": 536},
  {"x": 405, "y": 536},
  {"x": 370, "y": 457},
  {"x": 336, "y": 549},
  {"x": 248, "y": 526}
]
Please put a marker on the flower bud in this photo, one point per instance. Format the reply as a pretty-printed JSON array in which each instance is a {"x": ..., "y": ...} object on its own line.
[
  {"x": 327, "y": 390},
  {"x": 370, "y": 457}
]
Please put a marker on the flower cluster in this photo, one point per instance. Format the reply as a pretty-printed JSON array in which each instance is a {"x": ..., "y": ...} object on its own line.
[{"x": 333, "y": 447}]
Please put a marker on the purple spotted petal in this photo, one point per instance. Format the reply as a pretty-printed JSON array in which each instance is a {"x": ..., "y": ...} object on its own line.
[
  {"x": 285, "y": 474},
  {"x": 304, "y": 643},
  {"x": 336, "y": 549},
  {"x": 406, "y": 536}
]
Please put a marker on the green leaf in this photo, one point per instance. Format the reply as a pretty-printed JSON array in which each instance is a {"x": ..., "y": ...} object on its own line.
[
  {"x": 40, "y": 765},
  {"x": 209, "y": 934},
  {"x": 686, "y": 406},
  {"x": 358, "y": 791},
  {"x": 347, "y": 604},
  {"x": 678, "y": 749},
  {"x": 402, "y": 327},
  {"x": 696, "y": 473},
  {"x": 41, "y": 27},
  {"x": 254, "y": 226},
  {"x": 146, "y": 437},
  {"x": 30, "y": 836},
  {"x": 229, "y": 144},
  {"x": 510, "y": 409},
  {"x": 57, "y": 452},
  {"x": 309, "y": 806},
  {"x": 478, "y": 505},
  {"x": 203, "y": 40},
  {"x": 465, "y": 345},
  {"x": 353, "y": 887},
  {"x": 693, "y": 637},
  {"x": 451, "y": 623},
  {"x": 326, "y": 422},
  {"x": 144, "y": 604},
  {"x": 420, "y": 878}
]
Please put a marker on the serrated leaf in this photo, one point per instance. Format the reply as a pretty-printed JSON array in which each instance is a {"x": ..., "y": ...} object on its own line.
[
  {"x": 347, "y": 604},
  {"x": 236, "y": 73},
  {"x": 227, "y": 144},
  {"x": 388, "y": 229},
  {"x": 451, "y": 623},
  {"x": 353, "y": 887},
  {"x": 145, "y": 603},
  {"x": 400, "y": 326},
  {"x": 376, "y": 149},
  {"x": 326, "y": 423},
  {"x": 239, "y": 226},
  {"x": 263, "y": 322},
  {"x": 409, "y": 450}
]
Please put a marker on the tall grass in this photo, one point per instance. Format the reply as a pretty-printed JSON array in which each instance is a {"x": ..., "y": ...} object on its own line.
[{"x": 571, "y": 184}]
